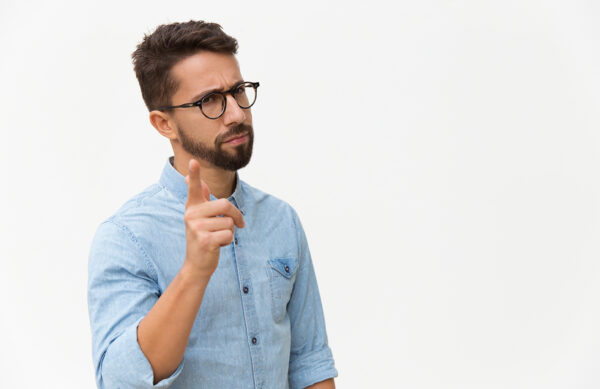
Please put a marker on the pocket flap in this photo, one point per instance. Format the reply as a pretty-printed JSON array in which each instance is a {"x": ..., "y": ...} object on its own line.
[{"x": 285, "y": 266}]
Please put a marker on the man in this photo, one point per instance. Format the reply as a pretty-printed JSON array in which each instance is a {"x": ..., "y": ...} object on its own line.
[{"x": 202, "y": 281}]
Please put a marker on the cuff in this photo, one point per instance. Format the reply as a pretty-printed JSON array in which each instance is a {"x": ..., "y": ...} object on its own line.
[
  {"x": 126, "y": 366},
  {"x": 306, "y": 370}
]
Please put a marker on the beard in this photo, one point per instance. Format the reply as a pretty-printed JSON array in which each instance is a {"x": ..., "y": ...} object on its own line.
[{"x": 216, "y": 155}]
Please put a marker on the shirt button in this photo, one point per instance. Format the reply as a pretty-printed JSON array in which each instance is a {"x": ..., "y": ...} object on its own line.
[
  {"x": 245, "y": 289},
  {"x": 235, "y": 240},
  {"x": 254, "y": 340},
  {"x": 287, "y": 269}
]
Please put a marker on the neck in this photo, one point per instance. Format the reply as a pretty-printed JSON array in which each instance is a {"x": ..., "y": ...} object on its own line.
[{"x": 221, "y": 183}]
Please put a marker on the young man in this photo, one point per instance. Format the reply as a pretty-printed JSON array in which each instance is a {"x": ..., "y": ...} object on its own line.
[{"x": 202, "y": 281}]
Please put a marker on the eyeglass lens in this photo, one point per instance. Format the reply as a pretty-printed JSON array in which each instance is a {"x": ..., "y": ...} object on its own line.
[{"x": 213, "y": 104}]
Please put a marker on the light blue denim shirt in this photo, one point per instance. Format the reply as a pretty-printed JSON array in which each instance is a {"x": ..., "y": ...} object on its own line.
[{"x": 261, "y": 322}]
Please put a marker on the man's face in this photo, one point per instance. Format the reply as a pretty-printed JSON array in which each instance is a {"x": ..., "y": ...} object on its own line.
[{"x": 205, "y": 138}]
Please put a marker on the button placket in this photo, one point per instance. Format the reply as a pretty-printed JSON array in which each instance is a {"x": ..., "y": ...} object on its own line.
[{"x": 252, "y": 326}]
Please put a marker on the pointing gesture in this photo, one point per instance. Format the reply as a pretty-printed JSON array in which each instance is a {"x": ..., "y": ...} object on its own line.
[
  {"x": 197, "y": 190},
  {"x": 209, "y": 225}
]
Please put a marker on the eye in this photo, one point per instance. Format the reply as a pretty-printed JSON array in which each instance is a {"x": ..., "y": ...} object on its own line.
[
  {"x": 241, "y": 89},
  {"x": 208, "y": 99}
]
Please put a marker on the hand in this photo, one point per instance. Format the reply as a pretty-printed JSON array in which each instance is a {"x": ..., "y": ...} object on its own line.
[{"x": 209, "y": 225}]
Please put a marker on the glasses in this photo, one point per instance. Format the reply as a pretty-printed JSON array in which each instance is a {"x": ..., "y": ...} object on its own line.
[{"x": 213, "y": 104}]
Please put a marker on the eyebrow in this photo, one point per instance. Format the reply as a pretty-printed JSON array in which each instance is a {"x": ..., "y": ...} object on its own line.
[{"x": 201, "y": 95}]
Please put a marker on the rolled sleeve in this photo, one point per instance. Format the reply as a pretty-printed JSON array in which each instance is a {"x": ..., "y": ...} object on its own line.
[
  {"x": 122, "y": 289},
  {"x": 128, "y": 364},
  {"x": 311, "y": 360}
]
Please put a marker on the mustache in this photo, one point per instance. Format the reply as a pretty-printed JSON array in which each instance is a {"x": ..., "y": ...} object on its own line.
[{"x": 237, "y": 130}]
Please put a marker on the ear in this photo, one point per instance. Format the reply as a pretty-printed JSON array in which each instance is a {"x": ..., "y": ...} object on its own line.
[{"x": 163, "y": 124}]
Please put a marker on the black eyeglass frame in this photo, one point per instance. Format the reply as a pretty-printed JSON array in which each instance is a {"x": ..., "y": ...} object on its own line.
[{"x": 223, "y": 94}]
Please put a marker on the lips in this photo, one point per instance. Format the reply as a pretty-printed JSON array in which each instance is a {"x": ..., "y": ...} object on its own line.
[{"x": 236, "y": 137}]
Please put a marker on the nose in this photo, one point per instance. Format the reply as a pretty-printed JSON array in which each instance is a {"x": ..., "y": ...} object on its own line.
[{"x": 233, "y": 113}]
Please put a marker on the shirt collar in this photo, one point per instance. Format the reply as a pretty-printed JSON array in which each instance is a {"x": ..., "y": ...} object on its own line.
[{"x": 175, "y": 183}]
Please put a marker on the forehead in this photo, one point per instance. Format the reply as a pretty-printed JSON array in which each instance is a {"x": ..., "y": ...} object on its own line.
[{"x": 205, "y": 71}]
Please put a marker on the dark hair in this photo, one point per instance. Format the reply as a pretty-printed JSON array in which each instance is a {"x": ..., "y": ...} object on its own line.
[{"x": 156, "y": 55}]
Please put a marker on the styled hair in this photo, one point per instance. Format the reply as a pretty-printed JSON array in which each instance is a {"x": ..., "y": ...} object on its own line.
[{"x": 158, "y": 52}]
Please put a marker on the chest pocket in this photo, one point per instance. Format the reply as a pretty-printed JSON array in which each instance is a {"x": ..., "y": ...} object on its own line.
[{"x": 282, "y": 274}]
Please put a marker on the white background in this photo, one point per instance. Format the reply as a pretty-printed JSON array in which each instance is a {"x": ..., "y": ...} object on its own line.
[{"x": 442, "y": 155}]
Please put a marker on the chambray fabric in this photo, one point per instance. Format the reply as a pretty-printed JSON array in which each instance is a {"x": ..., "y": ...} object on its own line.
[{"x": 273, "y": 336}]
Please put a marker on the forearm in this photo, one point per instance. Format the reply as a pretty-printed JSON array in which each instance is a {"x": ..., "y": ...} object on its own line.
[
  {"x": 327, "y": 384},
  {"x": 164, "y": 332}
]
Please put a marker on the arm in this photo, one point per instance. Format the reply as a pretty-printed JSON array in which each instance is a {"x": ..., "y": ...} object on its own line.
[
  {"x": 122, "y": 288},
  {"x": 311, "y": 360},
  {"x": 327, "y": 384},
  {"x": 164, "y": 332},
  {"x": 122, "y": 291}
]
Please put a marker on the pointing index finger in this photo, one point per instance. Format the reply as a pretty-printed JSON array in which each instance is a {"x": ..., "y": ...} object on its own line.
[{"x": 195, "y": 193}]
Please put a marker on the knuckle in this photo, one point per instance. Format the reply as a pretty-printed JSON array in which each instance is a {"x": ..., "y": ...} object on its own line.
[
  {"x": 223, "y": 205},
  {"x": 215, "y": 241},
  {"x": 204, "y": 240},
  {"x": 193, "y": 225}
]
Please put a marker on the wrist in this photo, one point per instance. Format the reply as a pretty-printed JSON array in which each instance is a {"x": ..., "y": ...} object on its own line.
[{"x": 192, "y": 276}]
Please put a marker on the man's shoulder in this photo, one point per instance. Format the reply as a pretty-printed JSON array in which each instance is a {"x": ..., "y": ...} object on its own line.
[
  {"x": 152, "y": 203},
  {"x": 266, "y": 201}
]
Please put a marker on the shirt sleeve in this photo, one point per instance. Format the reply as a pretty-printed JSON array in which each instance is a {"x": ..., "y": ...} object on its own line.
[
  {"x": 311, "y": 360},
  {"x": 122, "y": 288}
]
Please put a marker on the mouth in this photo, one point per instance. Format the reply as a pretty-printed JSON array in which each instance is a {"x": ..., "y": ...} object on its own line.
[{"x": 238, "y": 139}]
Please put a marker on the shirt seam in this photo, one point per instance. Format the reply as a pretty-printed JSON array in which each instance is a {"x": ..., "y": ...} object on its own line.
[
  {"x": 148, "y": 193},
  {"x": 298, "y": 237},
  {"x": 170, "y": 193},
  {"x": 147, "y": 261}
]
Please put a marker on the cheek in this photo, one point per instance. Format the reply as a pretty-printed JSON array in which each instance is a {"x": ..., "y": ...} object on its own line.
[
  {"x": 203, "y": 129},
  {"x": 248, "y": 120}
]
